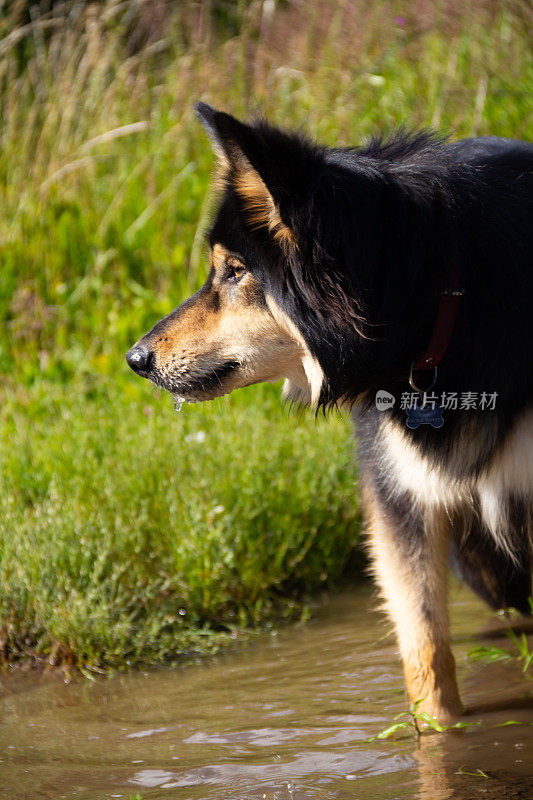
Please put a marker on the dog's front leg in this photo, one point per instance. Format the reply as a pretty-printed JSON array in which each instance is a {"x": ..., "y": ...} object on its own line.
[{"x": 409, "y": 552}]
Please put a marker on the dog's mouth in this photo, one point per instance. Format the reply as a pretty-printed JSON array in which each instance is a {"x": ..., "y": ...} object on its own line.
[{"x": 198, "y": 383}]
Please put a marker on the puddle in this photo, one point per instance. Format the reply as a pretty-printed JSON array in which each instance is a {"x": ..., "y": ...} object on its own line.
[{"x": 284, "y": 719}]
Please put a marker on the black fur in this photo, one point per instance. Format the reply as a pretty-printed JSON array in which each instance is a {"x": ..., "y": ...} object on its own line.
[
  {"x": 500, "y": 581},
  {"x": 219, "y": 368},
  {"x": 377, "y": 228}
]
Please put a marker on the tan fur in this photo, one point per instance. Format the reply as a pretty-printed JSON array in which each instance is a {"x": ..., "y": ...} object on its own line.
[
  {"x": 263, "y": 339},
  {"x": 221, "y": 256},
  {"x": 437, "y": 772},
  {"x": 190, "y": 331},
  {"x": 262, "y": 210},
  {"x": 411, "y": 589},
  {"x": 259, "y": 203}
]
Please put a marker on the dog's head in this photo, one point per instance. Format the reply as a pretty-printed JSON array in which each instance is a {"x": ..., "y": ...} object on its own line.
[{"x": 277, "y": 303}]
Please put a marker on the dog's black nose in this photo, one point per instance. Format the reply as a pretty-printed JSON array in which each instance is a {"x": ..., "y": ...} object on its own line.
[{"x": 139, "y": 358}]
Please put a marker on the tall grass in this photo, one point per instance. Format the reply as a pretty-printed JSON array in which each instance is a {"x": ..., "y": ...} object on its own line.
[
  {"x": 109, "y": 526},
  {"x": 104, "y": 170},
  {"x": 132, "y": 534}
]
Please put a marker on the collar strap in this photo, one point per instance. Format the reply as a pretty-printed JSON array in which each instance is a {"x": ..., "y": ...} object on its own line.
[{"x": 444, "y": 324}]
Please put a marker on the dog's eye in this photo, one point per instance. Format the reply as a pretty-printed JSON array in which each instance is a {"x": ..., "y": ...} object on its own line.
[{"x": 235, "y": 273}]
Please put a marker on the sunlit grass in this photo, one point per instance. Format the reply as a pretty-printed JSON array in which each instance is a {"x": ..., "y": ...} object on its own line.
[
  {"x": 104, "y": 170},
  {"x": 117, "y": 514},
  {"x": 130, "y": 533}
]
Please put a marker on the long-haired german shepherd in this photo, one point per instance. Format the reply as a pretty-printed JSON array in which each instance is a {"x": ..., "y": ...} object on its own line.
[{"x": 381, "y": 272}]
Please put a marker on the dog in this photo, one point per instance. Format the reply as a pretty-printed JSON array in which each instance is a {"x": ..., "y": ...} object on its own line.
[{"x": 402, "y": 270}]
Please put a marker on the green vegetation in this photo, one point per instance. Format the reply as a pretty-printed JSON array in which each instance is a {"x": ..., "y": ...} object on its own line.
[
  {"x": 131, "y": 533},
  {"x": 521, "y": 651},
  {"x": 118, "y": 515},
  {"x": 417, "y": 722},
  {"x": 477, "y": 773}
]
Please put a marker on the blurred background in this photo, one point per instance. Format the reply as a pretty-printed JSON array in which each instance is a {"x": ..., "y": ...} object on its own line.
[{"x": 130, "y": 533}]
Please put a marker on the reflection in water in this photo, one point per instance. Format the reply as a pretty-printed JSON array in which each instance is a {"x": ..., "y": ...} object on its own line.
[
  {"x": 285, "y": 719},
  {"x": 451, "y": 770}
]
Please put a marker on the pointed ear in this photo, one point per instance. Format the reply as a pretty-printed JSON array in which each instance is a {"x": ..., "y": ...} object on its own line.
[
  {"x": 219, "y": 131},
  {"x": 242, "y": 154}
]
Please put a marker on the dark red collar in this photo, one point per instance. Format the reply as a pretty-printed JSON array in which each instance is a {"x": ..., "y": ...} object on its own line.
[{"x": 450, "y": 297}]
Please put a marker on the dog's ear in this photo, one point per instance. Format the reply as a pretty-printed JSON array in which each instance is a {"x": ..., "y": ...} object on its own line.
[
  {"x": 251, "y": 160},
  {"x": 218, "y": 126}
]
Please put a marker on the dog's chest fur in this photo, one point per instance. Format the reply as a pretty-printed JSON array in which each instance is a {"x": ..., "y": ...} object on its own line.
[{"x": 492, "y": 493}]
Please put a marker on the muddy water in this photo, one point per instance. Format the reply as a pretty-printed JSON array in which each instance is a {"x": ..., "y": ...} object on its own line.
[{"x": 285, "y": 718}]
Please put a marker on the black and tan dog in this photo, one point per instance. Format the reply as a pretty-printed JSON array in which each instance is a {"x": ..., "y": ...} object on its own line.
[{"x": 350, "y": 271}]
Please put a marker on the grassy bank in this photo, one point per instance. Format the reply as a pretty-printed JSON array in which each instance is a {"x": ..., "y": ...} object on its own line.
[{"x": 130, "y": 533}]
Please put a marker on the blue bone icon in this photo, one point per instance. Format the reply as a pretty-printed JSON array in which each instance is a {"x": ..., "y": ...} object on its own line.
[{"x": 417, "y": 415}]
